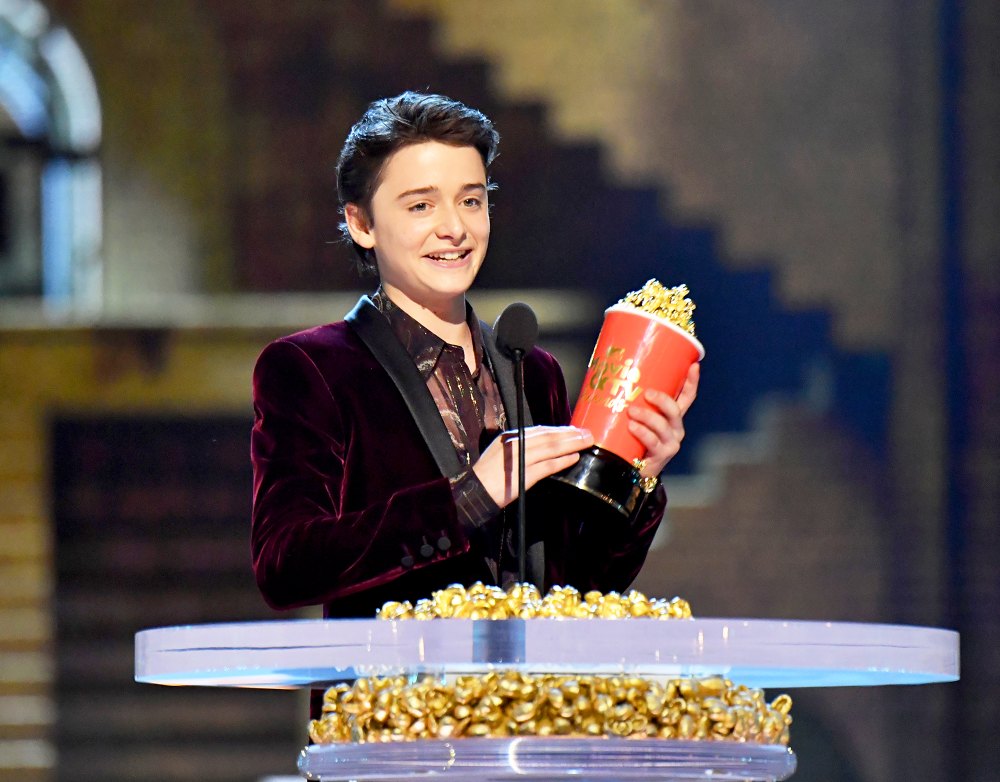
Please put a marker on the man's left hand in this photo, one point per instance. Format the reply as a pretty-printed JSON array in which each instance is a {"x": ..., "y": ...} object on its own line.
[{"x": 661, "y": 429}]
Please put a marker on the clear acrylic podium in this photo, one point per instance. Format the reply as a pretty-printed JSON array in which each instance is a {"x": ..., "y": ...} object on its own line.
[{"x": 757, "y": 653}]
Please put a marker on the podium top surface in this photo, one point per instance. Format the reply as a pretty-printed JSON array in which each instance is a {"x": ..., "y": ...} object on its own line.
[{"x": 754, "y": 652}]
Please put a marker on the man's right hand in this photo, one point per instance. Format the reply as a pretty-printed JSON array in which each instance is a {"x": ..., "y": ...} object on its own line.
[{"x": 548, "y": 449}]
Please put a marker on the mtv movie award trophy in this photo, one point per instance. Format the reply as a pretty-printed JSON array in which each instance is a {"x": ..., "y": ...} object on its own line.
[{"x": 647, "y": 342}]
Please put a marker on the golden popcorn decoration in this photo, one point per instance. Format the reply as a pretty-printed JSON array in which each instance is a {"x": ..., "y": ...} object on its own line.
[
  {"x": 671, "y": 304},
  {"x": 505, "y": 703},
  {"x": 525, "y": 601},
  {"x": 501, "y": 704}
]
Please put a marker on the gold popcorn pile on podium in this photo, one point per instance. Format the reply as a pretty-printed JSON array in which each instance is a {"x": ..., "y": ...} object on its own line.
[
  {"x": 511, "y": 703},
  {"x": 497, "y": 705},
  {"x": 524, "y": 601}
]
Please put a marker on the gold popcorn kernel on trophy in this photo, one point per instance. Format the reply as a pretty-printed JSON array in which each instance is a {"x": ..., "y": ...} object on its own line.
[
  {"x": 671, "y": 304},
  {"x": 647, "y": 342}
]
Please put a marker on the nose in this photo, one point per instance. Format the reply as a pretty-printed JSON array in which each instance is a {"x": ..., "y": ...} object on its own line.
[{"x": 451, "y": 226}]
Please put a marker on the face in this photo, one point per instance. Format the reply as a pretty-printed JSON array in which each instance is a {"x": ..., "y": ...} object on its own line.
[{"x": 430, "y": 225}]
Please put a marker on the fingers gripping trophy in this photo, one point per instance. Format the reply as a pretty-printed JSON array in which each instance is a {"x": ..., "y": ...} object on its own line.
[{"x": 647, "y": 342}]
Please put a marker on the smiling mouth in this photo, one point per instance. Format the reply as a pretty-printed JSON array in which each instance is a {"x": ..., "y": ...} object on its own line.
[{"x": 450, "y": 257}]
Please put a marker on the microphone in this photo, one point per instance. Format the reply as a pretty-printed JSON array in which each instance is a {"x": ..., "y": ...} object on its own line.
[{"x": 516, "y": 331}]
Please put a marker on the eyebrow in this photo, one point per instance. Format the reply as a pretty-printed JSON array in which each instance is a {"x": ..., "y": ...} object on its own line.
[{"x": 417, "y": 191}]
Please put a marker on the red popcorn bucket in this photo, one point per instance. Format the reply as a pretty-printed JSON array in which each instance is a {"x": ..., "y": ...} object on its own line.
[{"x": 635, "y": 351}]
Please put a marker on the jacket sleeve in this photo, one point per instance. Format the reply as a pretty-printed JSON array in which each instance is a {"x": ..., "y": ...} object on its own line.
[
  {"x": 610, "y": 549},
  {"x": 312, "y": 539}
]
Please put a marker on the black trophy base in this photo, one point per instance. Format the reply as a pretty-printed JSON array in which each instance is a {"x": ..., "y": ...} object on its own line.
[{"x": 606, "y": 476}]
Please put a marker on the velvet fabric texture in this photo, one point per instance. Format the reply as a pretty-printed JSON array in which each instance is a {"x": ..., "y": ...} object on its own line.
[{"x": 352, "y": 505}]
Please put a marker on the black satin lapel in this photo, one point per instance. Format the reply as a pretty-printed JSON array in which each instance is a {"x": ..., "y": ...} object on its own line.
[
  {"x": 503, "y": 373},
  {"x": 375, "y": 332}
]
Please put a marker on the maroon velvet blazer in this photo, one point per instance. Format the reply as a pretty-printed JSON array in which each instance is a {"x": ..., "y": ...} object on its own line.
[{"x": 352, "y": 505}]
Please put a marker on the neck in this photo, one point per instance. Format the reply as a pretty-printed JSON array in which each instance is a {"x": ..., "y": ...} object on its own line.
[{"x": 445, "y": 318}]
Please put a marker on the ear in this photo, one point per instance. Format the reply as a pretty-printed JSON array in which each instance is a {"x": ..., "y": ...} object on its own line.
[{"x": 358, "y": 227}]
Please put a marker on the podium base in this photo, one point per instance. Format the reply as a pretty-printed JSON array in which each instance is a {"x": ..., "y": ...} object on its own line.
[
  {"x": 606, "y": 476},
  {"x": 548, "y": 759}
]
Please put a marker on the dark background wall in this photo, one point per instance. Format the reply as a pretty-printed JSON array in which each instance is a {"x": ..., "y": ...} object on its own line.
[{"x": 823, "y": 178}]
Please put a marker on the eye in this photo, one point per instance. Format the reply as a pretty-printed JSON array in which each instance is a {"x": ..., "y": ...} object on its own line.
[
  {"x": 472, "y": 202},
  {"x": 423, "y": 206}
]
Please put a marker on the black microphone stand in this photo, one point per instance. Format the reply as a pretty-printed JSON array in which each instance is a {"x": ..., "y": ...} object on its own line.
[
  {"x": 522, "y": 530},
  {"x": 516, "y": 331}
]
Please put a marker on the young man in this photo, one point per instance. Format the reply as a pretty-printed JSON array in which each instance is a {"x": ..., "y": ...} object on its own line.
[{"x": 379, "y": 469}]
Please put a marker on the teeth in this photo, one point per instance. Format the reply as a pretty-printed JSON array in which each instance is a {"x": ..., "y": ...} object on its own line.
[{"x": 447, "y": 256}]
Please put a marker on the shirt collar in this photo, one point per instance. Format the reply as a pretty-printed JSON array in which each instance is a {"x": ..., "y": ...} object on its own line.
[{"x": 421, "y": 344}]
